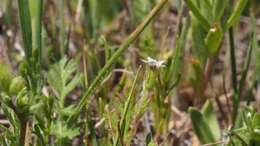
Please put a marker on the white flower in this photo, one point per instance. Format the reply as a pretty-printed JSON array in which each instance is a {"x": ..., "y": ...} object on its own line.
[{"x": 154, "y": 63}]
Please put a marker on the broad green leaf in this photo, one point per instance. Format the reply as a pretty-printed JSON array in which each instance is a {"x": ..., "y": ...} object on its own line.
[
  {"x": 201, "y": 127},
  {"x": 198, "y": 35},
  {"x": 213, "y": 40},
  {"x": 208, "y": 113}
]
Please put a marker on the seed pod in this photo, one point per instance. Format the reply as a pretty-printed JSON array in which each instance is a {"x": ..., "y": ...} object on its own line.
[
  {"x": 5, "y": 77},
  {"x": 16, "y": 86}
]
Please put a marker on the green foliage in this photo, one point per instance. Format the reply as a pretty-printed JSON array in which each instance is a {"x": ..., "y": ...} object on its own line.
[
  {"x": 199, "y": 16},
  {"x": 213, "y": 40},
  {"x": 209, "y": 114},
  {"x": 59, "y": 77},
  {"x": 122, "y": 123},
  {"x": 247, "y": 132},
  {"x": 61, "y": 130},
  {"x": 112, "y": 107},
  {"x": 10, "y": 135},
  {"x": 6, "y": 77},
  {"x": 132, "y": 37},
  {"x": 25, "y": 22},
  {"x": 241, "y": 4},
  {"x": 219, "y": 9},
  {"x": 98, "y": 14},
  {"x": 16, "y": 85},
  {"x": 195, "y": 75},
  {"x": 205, "y": 124}
]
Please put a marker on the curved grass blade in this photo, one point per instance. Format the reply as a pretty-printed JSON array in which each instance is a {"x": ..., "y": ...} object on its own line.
[
  {"x": 195, "y": 11},
  {"x": 126, "y": 108},
  {"x": 236, "y": 13}
]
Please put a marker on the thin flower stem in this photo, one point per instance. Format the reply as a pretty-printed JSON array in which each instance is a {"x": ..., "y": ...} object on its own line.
[
  {"x": 235, "y": 97},
  {"x": 233, "y": 59}
]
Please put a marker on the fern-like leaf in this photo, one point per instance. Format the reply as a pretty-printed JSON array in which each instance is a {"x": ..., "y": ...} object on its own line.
[{"x": 61, "y": 78}]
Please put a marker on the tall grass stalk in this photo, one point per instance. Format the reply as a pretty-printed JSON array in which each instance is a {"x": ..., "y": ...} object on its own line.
[
  {"x": 38, "y": 29},
  {"x": 229, "y": 25},
  {"x": 196, "y": 12},
  {"x": 38, "y": 45},
  {"x": 32, "y": 59},
  {"x": 126, "y": 110},
  {"x": 25, "y": 22},
  {"x": 233, "y": 59},
  {"x": 131, "y": 38},
  {"x": 26, "y": 27}
]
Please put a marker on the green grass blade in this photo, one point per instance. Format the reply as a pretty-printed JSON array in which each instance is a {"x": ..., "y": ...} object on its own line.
[
  {"x": 195, "y": 11},
  {"x": 91, "y": 128},
  {"x": 25, "y": 22},
  {"x": 208, "y": 113},
  {"x": 219, "y": 8},
  {"x": 38, "y": 29},
  {"x": 126, "y": 109},
  {"x": 246, "y": 66},
  {"x": 236, "y": 13}
]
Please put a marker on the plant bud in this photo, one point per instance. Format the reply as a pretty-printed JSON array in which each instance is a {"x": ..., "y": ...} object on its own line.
[
  {"x": 16, "y": 86},
  {"x": 5, "y": 77},
  {"x": 214, "y": 39},
  {"x": 195, "y": 74},
  {"x": 22, "y": 101},
  {"x": 23, "y": 68}
]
